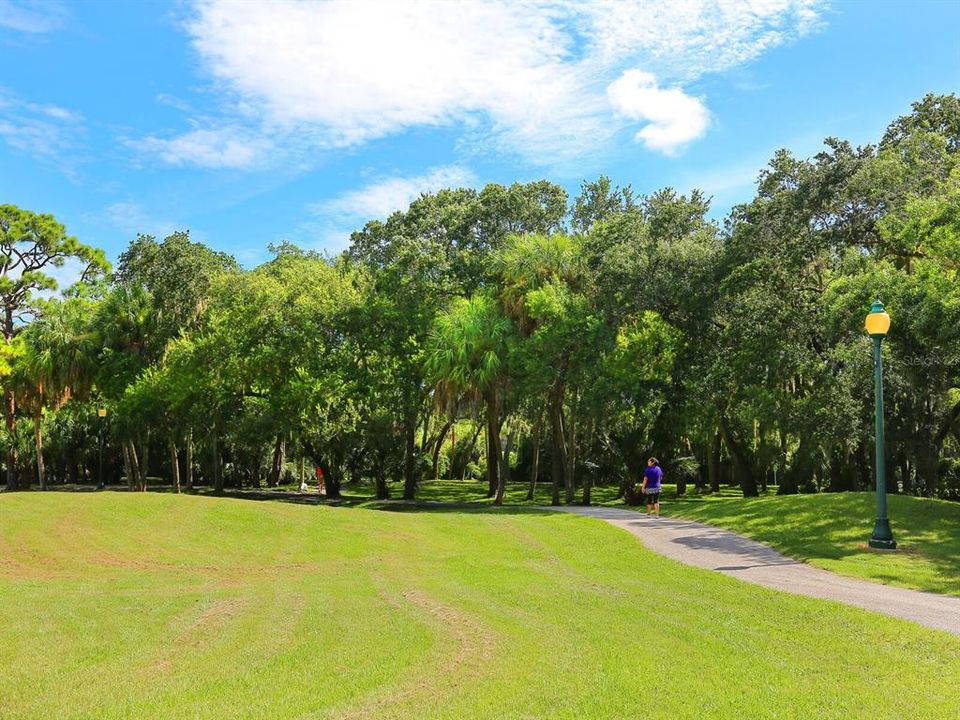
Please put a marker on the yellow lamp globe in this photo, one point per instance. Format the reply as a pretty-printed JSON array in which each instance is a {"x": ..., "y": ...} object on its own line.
[{"x": 878, "y": 322}]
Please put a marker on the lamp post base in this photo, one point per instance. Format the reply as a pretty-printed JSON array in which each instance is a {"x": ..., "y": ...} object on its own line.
[{"x": 882, "y": 538}]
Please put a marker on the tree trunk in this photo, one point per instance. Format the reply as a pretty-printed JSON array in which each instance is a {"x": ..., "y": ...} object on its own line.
[
  {"x": 38, "y": 442},
  {"x": 507, "y": 449},
  {"x": 276, "y": 464},
  {"x": 748, "y": 483},
  {"x": 537, "y": 432},
  {"x": 127, "y": 466},
  {"x": 10, "y": 407},
  {"x": 380, "y": 477},
  {"x": 215, "y": 460},
  {"x": 145, "y": 460},
  {"x": 928, "y": 456},
  {"x": 928, "y": 463},
  {"x": 798, "y": 469},
  {"x": 588, "y": 478},
  {"x": 332, "y": 479},
  {"x": 188, "y": 459},
  {"x": 570, "y": 475},
  {"x": 495, "y": 454},
  {"x": 439, "y": 447},
  {"x": 681, "y": 477},
  {"x": 425, "y": 432},
  {"x": 491, "y": 458},
  {"x": 139, "y": 482},
  {"x": 468, "y": 451},
  {"x": 10, "y": 411},
  {"x": 255, "y": 465},
  {"x": 410, "y": 457},
  {"x": 174, "y": 465},
  {"x": 332, "y": 484},
  {"x": 558, "y": 455},
  {"x": 841, "y": 477}
]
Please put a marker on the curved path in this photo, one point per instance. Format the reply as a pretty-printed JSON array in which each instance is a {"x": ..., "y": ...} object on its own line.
[{"x": 712, "y": 548}]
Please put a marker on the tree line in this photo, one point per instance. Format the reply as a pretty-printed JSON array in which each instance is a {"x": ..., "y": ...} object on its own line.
[{"x": 515, "y": 334}]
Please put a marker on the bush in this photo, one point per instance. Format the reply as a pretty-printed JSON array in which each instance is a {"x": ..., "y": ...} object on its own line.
[
  {"x": 632, "y": 494},
  {"x": 948, "y": 486},
  {"x": 683, "y": 471}
]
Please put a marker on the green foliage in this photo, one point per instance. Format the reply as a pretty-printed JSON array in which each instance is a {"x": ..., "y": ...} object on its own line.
[
  {"x": 177, "y": 276},
  {"x": 588, "y": 333},
  {"x": 30, "y": 246},
  {"x": 469, "y": 345}
]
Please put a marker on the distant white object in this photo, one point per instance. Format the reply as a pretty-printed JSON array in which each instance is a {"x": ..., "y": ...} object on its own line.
[{"x": 303, "y": 487}]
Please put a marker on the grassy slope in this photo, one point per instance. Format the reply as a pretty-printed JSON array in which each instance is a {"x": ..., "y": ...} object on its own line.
[
  {"x": 162, "y": 606},
  {"x": 831, "y": 531}
]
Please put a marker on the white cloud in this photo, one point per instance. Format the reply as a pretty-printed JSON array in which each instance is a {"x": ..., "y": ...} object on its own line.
[
  {"x": 36, "y": 16},
  {"x": 526, "y": 76},
  {"x": 34, "y": 136},
  {"x": 685, "y": 39},
  {"x": 45, "y": 132},
  {"x": 55, "y": 112},
  {"x": 225, "y": 147},
  {"x": 174, "y": 102},
  {"x": 333, "y": 220},
  {"x": 365, "y": 73},
  {"x": 383, "y": 197},
  {"x": 132, "y": 218},
  {"x": 673, "y": 117}
]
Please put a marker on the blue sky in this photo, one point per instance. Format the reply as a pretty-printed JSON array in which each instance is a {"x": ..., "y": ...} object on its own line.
[{"x": 251, "y": 123}]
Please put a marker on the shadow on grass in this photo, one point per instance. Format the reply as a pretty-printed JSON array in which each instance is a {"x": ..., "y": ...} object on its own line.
[
  {"x": 427, "y": 506},
  {"x": 835, "y": 527},
  {"x": 257, "y": 494},
  {"x": 346, "y": 500}
]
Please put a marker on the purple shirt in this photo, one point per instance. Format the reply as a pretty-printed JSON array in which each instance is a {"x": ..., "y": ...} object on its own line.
[{"x": 653, "y": 476}]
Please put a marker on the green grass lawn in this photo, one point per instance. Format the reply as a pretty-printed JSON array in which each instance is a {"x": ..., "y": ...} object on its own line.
[
  {"x": 830, "y": 530},
  {"x": 116, "y": 605}
]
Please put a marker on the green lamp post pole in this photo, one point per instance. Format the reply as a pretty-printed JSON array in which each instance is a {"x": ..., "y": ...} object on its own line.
[
  {"x": 102, "y": 421},
  {"x": 877, "y": 324}
]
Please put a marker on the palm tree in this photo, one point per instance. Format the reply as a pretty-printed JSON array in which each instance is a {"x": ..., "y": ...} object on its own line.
[
  {"x": 57, "y": 364},
  {"x": 467, "y": 353},
  {"x": 125, "y": 322},
  {"x": 527, "y": 264}
]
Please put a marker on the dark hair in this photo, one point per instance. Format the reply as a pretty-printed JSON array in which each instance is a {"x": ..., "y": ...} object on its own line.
[{"x": 653, "y": 460}]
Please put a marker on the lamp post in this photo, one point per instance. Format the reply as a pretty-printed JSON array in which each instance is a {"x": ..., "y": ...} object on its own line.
[
  {"x": 102, "y": 415},
  {"x": 877, "y": 325}
]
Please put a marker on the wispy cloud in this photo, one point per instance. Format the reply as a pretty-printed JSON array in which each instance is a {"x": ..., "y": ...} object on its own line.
[
  {"x": 331, "y": 221},
  {"x": 536, "y": 78},
  {"x": 734, "y": 183},
  {"x": 46, "y": 132},
  {"x": 132, "y": 218},
  {"x": 385, "y": 196},
  {"x": 34, "y": 16},
  {"x": 231, "y": 147},
  {"x": 174, "y": 102}
]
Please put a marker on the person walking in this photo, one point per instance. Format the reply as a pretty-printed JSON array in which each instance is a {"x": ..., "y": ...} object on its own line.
[
  {"x": 321, "y": 481},
  {"x": 651, "y": 486}
]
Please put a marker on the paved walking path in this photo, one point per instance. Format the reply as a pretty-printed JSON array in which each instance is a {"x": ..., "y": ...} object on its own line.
[{"x": 712, "y": 548}]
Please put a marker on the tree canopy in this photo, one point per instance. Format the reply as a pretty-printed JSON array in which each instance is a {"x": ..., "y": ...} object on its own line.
[{"x": 587, "y": 333}]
